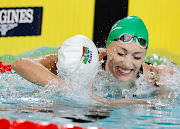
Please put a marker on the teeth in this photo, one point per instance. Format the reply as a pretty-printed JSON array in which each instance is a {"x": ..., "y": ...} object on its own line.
[{"x": 123, "y": 70}]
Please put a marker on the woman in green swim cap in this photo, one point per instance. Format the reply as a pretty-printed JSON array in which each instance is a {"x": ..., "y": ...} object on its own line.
[
  {"x": 125, "y": 50},
  {"x": 126, "y": 47}
]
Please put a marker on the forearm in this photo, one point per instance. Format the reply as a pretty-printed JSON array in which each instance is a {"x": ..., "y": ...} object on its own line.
[
  {"x": 34, "y": 72},
  {"x": 128, "y": 101},
  {"x": 117, "y": 101}
]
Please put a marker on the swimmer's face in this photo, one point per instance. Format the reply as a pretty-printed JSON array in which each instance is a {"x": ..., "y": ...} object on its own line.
[{"x": 124, "y": 60}]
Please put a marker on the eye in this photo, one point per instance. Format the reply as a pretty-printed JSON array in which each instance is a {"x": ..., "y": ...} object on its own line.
[
  {"x": 137, "y": 58},
  {"x": 120, "y": 54}
]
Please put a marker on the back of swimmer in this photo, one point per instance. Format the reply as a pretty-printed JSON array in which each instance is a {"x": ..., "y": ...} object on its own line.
[{"x": 77, "y": 58}]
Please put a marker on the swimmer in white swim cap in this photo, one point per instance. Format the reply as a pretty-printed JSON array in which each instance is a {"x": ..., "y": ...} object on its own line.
[{"x": 77, "y": 55}]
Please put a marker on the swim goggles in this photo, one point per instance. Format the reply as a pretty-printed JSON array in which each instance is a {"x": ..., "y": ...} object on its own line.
[{"x": 126, "y": 38}]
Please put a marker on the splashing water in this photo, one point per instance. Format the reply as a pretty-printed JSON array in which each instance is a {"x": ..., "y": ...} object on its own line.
[
  {"x": 15, "y": 89},
  {"x": 79, "y": 88},
  {"x": 21, "y": 99},
  {"x": 106, "y": 85}
]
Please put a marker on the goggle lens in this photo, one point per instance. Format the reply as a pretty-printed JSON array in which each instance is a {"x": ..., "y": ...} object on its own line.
[
  {"x": 142, "y": 42},
  {"x": 125, "y": 38}
]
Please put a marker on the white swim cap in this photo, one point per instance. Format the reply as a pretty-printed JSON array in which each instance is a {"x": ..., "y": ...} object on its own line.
[{"x": 77, "y": 54}]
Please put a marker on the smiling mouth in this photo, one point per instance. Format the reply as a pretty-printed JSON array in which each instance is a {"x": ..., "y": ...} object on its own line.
[{"x": 123, "y": 71}]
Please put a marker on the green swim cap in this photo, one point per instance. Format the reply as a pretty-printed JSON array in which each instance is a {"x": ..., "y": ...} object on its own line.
[{"x": 132, "y": 25}]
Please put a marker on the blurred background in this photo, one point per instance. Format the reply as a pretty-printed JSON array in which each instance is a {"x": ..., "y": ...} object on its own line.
[{"x": 30, "y": 25}]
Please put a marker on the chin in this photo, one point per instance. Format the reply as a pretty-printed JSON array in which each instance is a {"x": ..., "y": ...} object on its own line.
[{"x": 124, "y": 79}]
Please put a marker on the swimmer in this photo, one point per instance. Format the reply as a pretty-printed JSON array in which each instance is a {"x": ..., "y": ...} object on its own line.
[{"x": 125, "y": 50}]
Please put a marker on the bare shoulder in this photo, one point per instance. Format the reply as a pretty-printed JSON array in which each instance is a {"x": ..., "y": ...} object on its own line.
[{"x": 102, "y": 53}]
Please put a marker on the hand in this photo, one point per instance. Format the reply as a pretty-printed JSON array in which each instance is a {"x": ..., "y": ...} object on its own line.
[{"x": 156, "y": 74}]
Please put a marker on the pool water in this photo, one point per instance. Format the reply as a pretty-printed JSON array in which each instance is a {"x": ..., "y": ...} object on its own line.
[{"x": 20, "y": 99}]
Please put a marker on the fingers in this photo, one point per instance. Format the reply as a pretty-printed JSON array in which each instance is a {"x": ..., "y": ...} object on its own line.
[
  {"x": 155, "y": 75},
  {"x": 154, "y": 64}
]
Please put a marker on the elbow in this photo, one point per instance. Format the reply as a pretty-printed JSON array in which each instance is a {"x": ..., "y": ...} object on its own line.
[{"x": 18, "y": 64}]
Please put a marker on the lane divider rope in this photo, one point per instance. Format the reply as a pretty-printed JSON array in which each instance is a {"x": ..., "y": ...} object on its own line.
[{"x": 26, "y": 124}]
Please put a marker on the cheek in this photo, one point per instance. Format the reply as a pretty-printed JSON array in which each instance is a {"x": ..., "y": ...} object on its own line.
[
  {"x": 115, "y": 59},
  {"x": 111, "y": 55}
]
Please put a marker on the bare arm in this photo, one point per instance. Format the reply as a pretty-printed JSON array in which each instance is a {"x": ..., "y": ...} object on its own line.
[
  {"x": 38, "y": 70},
  {"x": 117, "y": 101}
]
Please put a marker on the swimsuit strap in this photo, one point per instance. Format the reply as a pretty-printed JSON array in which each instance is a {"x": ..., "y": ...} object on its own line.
[
  {"x": 140, "y": 72},
  {"x": 104, "y": 62}
]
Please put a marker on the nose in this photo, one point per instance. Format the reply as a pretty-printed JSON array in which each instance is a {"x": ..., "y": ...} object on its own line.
[{"x": 127, "y": 62}]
